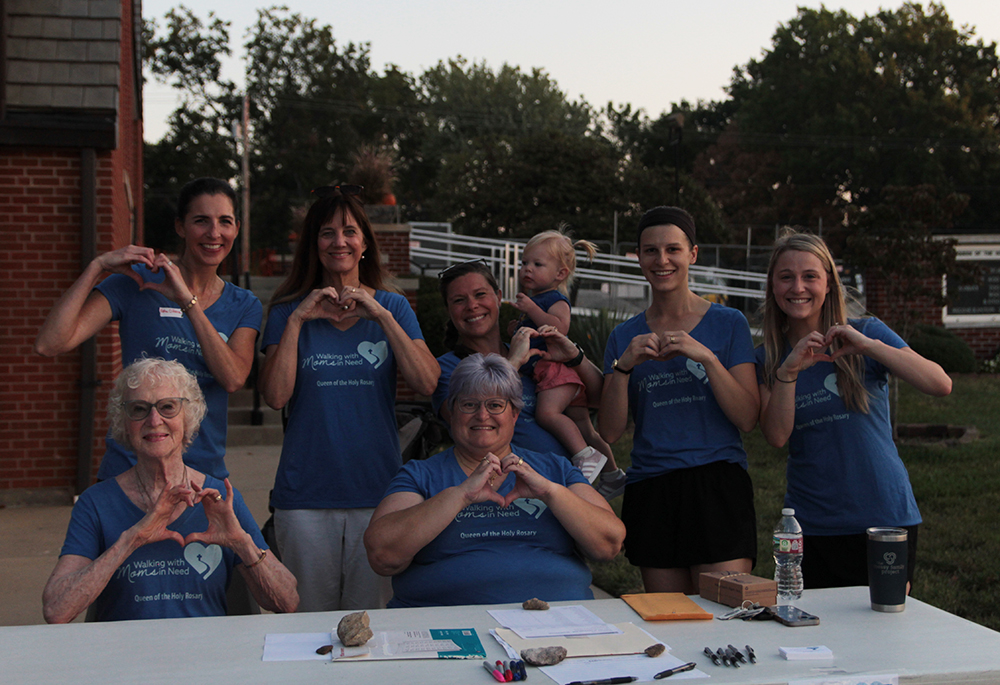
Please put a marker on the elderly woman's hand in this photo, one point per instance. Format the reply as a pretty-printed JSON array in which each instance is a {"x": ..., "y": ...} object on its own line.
[
  {"x": 171, "y": 503},
  {"x": 223, "y": 526}
]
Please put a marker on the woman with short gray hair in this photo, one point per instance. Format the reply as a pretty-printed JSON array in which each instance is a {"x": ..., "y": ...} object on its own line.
[
  {"x": 446, "y": 522},
  {"x": 160, "y": 540}
]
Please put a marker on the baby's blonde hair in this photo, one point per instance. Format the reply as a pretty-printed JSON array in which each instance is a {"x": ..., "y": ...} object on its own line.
[{"x": 561, "y": 246}]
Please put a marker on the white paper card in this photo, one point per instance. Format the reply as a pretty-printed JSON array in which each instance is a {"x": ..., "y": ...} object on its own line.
[
  {"x": 880, "y": 679},
  {"x": 295, "y": 646},
  {"x": 805, "y": 653},
  {"x": 555, "y": 622}
]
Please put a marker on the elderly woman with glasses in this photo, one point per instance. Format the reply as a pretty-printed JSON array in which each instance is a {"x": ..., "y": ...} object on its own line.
[
  {"x": 481, "y": 523},
  {"x": 161, "y": 539}
]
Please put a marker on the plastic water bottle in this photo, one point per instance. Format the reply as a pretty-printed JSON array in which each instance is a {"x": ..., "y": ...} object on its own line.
[{"x": 788, "y": 557}]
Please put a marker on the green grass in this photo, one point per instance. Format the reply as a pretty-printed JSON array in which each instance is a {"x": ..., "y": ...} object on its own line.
[{"x": 956, "y": 486}]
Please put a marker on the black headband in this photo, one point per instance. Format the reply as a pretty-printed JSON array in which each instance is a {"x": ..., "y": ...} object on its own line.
[{"x": 663, "y": 216}]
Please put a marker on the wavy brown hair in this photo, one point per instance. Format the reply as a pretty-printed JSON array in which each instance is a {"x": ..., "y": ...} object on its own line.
[
  {"x": 307, "y": 272},
  {"x": 850, "y": 368}
]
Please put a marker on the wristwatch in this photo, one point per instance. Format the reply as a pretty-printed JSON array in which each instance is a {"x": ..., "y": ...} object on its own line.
[
  {"x": 615, "y": 367},
  {"x": 577, "y": 360}
]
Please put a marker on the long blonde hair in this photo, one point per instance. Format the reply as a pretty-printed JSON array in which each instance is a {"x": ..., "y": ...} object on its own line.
[
  {"x": 850, "y": 368},
  {"x": 563, "y": 249}
]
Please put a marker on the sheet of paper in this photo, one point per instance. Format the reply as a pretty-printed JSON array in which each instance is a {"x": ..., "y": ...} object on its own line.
[
  {"x": 598, "y": 668},
  {"x": 631, "y": 640},
  {"x": 295, "y": 646},
  {"x": 854, "y": 679},
  {"x": 555, "y": 622}
]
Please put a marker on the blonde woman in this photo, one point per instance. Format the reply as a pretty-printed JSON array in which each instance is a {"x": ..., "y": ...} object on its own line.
[{"x": 824, "y": 392}]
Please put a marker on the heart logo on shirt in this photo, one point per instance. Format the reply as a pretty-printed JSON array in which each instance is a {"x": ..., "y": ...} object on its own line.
[
  {"x": 890, "y": 558},
  {"x": 533, "y": 507},
  {"x": 376, "y": 353},
  {"x": 830, "y": 383},
  {"x": 697, "y": 370},
  {"x": 204, "y": 560}
]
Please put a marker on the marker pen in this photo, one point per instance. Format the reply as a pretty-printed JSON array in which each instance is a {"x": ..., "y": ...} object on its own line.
[{"x": 497, "y": 675}]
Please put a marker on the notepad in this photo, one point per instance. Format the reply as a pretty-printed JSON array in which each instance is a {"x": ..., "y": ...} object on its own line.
[{"x": 666, "y": 606}]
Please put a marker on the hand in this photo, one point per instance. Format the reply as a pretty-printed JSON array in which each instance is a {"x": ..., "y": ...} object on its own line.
[
  {"x": 357, "y": 302},
  {"x": 324, "y": 303},
  {"x": 641, "y": 348},
  {"x": 559, "y": 347},
  {"x": 528, "y": 483},
  {"x": 807, "y": 351},
  {"x": 852, "y": 341},
  {"x": 523, "y": 303},
  {"x": 478, "y": 487},
  {"x": 223, "y": 526},
  {"x": 120, "y": 261},
  {"x": 681, "y": 344},
  {"x": 173, "y": 286},
  {"x": 512, "y": 326},
  {"x": 520, "y": 347},
  {"x": 168, "y": 507}
]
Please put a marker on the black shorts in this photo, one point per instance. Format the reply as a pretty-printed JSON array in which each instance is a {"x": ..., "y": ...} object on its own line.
[
  {"x": 842, "y": 560},
  {"x": 699, "y": 515}
]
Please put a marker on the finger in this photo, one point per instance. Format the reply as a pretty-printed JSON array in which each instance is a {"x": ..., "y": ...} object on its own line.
[
  {"x": 229, "y": 490},
  {"x": 175, "y": 536}
]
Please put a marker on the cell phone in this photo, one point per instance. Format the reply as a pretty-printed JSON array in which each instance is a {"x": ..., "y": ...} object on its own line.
[{"x": 792, "y": 616}]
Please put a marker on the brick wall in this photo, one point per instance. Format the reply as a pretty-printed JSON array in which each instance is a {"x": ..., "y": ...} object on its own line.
[{"x": 984, "y": 341}]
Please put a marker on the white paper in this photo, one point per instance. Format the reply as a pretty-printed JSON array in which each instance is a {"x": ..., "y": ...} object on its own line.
[
  {"x": 805, "y": 653},
  {"x": 598, "y": 668},
  {"x": 555, "y": 622},
  {"x": 855, "y": 679},
  {"x": 511, "y": 652},
  {"x": 295, "y": 646}
]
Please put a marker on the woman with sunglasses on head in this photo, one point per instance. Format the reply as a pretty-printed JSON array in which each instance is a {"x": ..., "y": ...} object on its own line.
[
  {"x": 684, "y": 369},
  {"x": 177, "y": 310},
  {"x": 333, "y": 343},
  {"x": 161, "y": 539},
  {"x": 824, "y": 392}
]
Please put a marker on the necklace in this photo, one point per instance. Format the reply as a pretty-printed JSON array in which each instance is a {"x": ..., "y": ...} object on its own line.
[{"x": 144, "y": 491}]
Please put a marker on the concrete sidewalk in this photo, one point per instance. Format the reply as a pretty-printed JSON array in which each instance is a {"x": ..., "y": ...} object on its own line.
[{"x": 32, "y": 536}]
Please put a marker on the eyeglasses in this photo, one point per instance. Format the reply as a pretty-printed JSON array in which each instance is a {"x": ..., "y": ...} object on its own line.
[
  {"x": 446, "y": 271},
  {"x": 168, "y": 408},
  {"x": 329, "y": 191},
  {"x": 495, "y": 405}
]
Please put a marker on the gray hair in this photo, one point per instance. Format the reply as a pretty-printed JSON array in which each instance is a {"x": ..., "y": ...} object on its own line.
[
  {"x": 485, "y": 376},
  {"x": 150, "y": 372}
]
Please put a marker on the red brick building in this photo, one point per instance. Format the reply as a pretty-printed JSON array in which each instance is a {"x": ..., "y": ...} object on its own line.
[{"x": 70, "y": 187}]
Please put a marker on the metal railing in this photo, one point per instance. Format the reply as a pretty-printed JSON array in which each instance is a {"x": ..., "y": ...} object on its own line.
[{"x": 618, "y": 279}]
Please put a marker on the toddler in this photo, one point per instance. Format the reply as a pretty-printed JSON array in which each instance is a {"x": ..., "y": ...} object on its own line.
[{"x": 547, "y": 266}]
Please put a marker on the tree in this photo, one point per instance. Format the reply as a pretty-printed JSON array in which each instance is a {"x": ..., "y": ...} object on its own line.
[{"x": 852, "y": 106}]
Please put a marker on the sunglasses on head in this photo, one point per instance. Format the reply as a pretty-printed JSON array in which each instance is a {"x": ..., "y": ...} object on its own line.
[
  {"x": 346, "y": 189},
  {"x": 444, "y": 272}
]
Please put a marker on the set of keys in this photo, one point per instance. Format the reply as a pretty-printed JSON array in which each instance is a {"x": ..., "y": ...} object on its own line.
[
  {"x": 748, "y": 611},
  {"x": 730, "y": 656}
]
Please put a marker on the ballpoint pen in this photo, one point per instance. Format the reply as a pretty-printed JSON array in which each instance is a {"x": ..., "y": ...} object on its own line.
[
  {"x": 606, "y": 681},
  {"x": 677, "y": 669},
  {"x": 712, "y": 655},
  {"x": 751, "y": 655}
]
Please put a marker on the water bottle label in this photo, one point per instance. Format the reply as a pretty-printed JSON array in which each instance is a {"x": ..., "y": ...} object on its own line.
[{"x": 788, "y": 545}]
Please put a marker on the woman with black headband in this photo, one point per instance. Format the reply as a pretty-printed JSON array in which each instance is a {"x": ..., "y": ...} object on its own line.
[{"x": 685, "y": 370}]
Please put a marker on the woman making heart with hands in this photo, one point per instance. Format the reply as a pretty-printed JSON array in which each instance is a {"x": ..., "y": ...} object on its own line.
[
  {"x": 844, "y": 473},
  {"x": 333, "y": 342},
  {"x": 179, "y": 310},
  {"x": 684, "y": 368}
]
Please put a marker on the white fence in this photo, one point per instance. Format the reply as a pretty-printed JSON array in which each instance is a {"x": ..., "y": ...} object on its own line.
[{"x": 610, "y": 281}]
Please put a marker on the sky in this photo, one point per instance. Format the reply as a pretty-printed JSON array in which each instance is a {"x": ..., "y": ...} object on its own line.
[{"x": 648, "y": 53}]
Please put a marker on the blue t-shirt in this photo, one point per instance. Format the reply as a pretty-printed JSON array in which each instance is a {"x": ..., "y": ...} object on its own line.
[
  {"x": 678, "y": 422},
  {"x": 545, "y": 301},
  {"x": 341, "y": 444},
  {"x": 151, "y": 325},
  {"x": 490, "y": 554},
  {"x": 526, "y": 430},
  {"x": 162, "y": 579},
  {"x": 844, "y": 472}
]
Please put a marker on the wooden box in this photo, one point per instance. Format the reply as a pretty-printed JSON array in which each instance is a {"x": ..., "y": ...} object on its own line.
[{"x": 732, "y": 589}]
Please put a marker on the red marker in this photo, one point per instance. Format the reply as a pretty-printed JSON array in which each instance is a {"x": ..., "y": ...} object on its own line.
[
  {"x": 507, "y": 674},
  {"x": 497, "y": 675}
]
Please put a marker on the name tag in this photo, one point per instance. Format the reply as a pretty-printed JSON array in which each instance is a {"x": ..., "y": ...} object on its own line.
[{"x": 171, "y": 313}]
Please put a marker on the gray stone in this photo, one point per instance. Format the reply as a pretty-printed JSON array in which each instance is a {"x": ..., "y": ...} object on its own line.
[
  {"x": 544, "y": 656},
  {"x": 535, "y": 604},
  {"x": 353, "y": 630}
]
